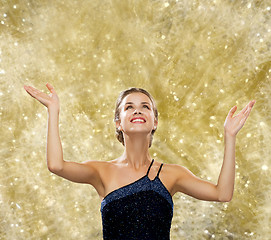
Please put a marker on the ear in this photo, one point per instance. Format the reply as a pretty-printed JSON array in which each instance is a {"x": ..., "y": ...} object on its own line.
[
  {"x": 118, "y": 124},
  {"x": 155, "y": 124}
]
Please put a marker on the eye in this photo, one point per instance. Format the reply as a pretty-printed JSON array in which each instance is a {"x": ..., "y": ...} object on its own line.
[{"x": 143, "y": 106}]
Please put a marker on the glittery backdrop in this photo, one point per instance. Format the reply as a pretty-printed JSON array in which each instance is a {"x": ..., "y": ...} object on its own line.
[{"x": 196, "y": 58}]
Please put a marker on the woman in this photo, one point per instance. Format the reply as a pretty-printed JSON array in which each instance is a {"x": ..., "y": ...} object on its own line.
[{"x": 135, "y": 190}]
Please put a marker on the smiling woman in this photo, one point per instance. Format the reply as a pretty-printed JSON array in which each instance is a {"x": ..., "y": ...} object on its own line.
[{"x": 136, "y": 202}]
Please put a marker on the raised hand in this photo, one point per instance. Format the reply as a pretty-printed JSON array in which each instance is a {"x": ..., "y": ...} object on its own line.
[
  {"x": 49, "y": 101},
  {"x": 232, "y": 124}
]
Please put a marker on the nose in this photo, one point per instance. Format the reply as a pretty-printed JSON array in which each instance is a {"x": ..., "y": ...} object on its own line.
[{"x": 136, "y": 111}]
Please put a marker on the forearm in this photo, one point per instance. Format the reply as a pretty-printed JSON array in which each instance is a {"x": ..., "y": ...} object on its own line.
[
  {"x": 54, "y": 149},
  {"x": 225, "y": 183}
]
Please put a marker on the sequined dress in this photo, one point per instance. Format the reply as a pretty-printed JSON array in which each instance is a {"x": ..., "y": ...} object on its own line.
[{"x": 141, "y": 210}]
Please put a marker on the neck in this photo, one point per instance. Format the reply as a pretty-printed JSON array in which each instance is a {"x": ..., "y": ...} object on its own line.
[{"x": 136, "y": 153}]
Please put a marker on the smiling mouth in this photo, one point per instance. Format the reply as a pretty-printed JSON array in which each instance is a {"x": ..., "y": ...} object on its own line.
[{"x": 138, "y": 120}]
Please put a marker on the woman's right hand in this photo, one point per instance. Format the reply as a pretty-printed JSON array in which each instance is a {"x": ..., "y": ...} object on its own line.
[{"x": 50, "y": 101}]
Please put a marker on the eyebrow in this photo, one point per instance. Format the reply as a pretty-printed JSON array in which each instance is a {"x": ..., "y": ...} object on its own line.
[{"x": 133, "y": 103}]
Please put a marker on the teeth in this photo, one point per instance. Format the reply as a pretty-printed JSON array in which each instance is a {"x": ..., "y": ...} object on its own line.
[{"x": 138, "y": 120}]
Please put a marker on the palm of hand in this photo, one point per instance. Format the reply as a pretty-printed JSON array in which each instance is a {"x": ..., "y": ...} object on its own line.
[
  {"x": 49, "y": 101},
  {"x": 232, "y": 124}
]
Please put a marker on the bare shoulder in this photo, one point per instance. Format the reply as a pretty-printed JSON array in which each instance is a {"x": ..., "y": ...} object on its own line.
[
  {"x": 103, "y": 168},
  {"x": 174, "y": 170},
  {"x": 171, "y": 174},
  {"x": 100, "y": 166}
]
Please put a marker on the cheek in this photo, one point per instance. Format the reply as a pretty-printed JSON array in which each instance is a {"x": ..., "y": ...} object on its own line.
[{"x": 124, "y": 118}]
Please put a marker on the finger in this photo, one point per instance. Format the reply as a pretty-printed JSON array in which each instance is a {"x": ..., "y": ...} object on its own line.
[
  {"x": 28, "y": 90},
  {"x": 248, "y": 111},
  {"x": 35, "y": 93},
  {"x": 251, "y": 104},
  {"x": 245, "y": 108},
  {"x": 33, "y": 90},
  {"x": 246, "y": 114},
  {"x": 231, "y": 112},
  {"x": 50, "y": 87}
]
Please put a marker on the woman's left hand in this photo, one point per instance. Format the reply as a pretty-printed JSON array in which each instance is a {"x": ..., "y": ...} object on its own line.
[{"x": 232, "y": 124}]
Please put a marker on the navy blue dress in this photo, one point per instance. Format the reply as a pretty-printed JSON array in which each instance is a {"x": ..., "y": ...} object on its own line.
[{"x": 141, "y": 210}]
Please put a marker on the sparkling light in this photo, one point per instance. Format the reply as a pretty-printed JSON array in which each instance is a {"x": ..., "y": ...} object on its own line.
[
  {"x": 192, "y": 57},
  {"x": 264, "y": 167}
]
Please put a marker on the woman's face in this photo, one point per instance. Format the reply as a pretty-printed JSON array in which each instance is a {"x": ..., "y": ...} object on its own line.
[{"x": 136, "y": 105}]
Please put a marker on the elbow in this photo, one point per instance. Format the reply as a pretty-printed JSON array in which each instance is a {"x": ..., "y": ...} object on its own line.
[
  {"x": 225, "y": 199},
  {"x": 54, "y": 169},
  {"x": 223, "y": 196}
]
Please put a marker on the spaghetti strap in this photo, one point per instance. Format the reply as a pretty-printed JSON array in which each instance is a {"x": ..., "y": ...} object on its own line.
[
  {"x": 150, "y": 167},
  {"x": 159, "y": 169}
]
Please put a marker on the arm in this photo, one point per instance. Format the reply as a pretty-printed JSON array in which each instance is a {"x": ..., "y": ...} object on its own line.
[
  {"x": 188, "y": 183},
  {"x": 225, "y": 185},
  {"x": 86, "y": 172},
  {"x": 54, "y": 153}
]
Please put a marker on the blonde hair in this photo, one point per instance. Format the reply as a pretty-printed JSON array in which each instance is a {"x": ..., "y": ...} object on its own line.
[{"x": 122, "y": 95}]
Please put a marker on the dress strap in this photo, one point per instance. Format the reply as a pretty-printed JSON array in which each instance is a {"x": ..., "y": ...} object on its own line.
[
  {"x": 150, "y": 167},
  {"x": 159, "y": 169}
]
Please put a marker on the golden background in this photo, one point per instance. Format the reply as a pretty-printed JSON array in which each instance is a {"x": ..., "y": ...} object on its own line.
[{"x": 197, "y": 59}]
